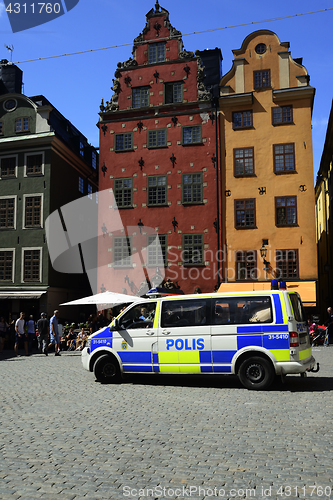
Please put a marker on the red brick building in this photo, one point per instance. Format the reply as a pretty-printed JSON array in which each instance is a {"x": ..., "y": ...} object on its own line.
[{"x": 158, "y": 153}]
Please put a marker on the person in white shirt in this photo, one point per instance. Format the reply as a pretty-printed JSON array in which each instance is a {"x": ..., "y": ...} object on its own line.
[{"x": 20, "y": 335}]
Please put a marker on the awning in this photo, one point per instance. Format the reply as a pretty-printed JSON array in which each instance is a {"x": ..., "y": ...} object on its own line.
[
  {"x": 21, "y": 295},
  {"x": 306, "y": 289},
  {"x": 106, "y": 299}
]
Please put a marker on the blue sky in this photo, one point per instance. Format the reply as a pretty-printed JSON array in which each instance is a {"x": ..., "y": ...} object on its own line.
[{"x": 76, "y": 84}]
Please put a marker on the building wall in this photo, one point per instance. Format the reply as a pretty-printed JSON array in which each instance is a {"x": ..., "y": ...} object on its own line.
[{"x": 288, "y": 87}]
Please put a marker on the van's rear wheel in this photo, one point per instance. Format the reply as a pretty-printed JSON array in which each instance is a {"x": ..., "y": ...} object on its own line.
[
  {"x": 256, "y": 373},
  {"x": 106, "y": 369}
]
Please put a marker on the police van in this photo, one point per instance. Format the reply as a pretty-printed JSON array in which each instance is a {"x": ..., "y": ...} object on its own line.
[{"x": 254, "y": 335}]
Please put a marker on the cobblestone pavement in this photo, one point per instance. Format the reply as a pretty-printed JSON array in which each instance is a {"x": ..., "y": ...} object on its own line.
[{"x": 65, "y": 436}]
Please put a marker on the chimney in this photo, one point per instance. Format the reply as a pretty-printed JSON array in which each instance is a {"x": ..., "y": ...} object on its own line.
[{"x": 10, "y": 78}]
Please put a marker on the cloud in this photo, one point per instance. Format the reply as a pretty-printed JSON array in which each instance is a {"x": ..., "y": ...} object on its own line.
[{"x": 320, "y": 123}]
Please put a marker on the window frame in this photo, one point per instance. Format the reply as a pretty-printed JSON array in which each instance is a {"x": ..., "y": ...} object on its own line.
[
  {"x": 253, "y": 268},
  {"x": 156, "y": 59},
  {"x": 123, "y": 134},
  {"x": 81, "y": 185},
  {"x": 284, "y": 154},
  {"x": 12, "y": 252},
  {"x": 157, "y": 130},
  {"x": 23, "y": 267},
  {"x": 287, "y": 276},
  {"x": 155, "y": 188},
  {"x": 261, "y": 72},
  {"x": 192, "y": 202},
  {"x": 141, "y": 89},
  {"x": 123, "y": 190},
  {"x": 5, "y": 157},
  {"x": 34, "y": 174},
  {"x": 192, "y": 143},
  {"x": 8, "y": 197},
  {"x": 169, "y": 90},
  {"x": 24, "y": 220},
  {"x": 244, "y": 174},
  {"x": 21, "y": 120},
  {"x": 242, "y": 126},
  {"x": 236, "y": 210},
  {"x": 276, "y": 211},
  {"x": 282, "y": 121},
  {"x": 153, "y": 246},
  {"x": 129, "y": 263},
  {"x": 193, "y": 245}
]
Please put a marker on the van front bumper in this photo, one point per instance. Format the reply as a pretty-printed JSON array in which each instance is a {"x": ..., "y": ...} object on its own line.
[
  {"x": 85, "y": 358},
  {"x": 294, "y": 367}
]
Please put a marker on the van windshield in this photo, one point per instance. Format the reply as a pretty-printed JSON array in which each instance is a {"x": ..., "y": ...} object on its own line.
[{"x": 297, "y": 306}]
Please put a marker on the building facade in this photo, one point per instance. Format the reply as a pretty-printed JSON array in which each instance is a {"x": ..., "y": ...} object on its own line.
[
  {"x": 45, "y": 163},
  {"x": 267, "y": 182},
  {"x": 324, "y": 194},
  {"x": 159, "y": 158}
]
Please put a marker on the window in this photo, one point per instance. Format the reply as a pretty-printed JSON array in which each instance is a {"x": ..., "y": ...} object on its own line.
[
  {"x": 156, "y": 52},
  {"x": 123, "y": 190},
  {"x": 191, "y": 135},
  {"x": 33, "y": 211},
  {"x": 173, "y": 92},
  {"x": 94, "y": 159},
  {"x": 124, "y": 142},
  {"x": 140, "y": 97},
  {"x": 243, "y": 162},
  {"x": 157, "y": 138},
  {"x": 34, "y": 164},
  {"x": 7, "y": 213},
  {"x": 236, "y": 310},
  {"x": 260, "y": 48},
  {"x": 286, "y": 264},
  {"x": 140, "y": 316},
  {"x": 122, "y": 256},
  {"x": 81, "y": 184},
  {"x": 245, "y": 213},
  {"x": 31, "y": 265},
  {"x": 193, "y": 249},
  {"x": 246, "y": 265},
  {"x": 90, "y": 191},
  {"x": 157, "y": 190},
  {"x": 1, "y": 128},
  {"x": 157, "y": 250},
  {"x": 8, "y": 167},
  {"x": 242, "y": 119},
  {"x": 192, "y": 188},
  {"x": 284, "y": 157},
  {"x": 81, "y": 148},
  {"x": 178, "y": 313},
  {"x": 283, "y": 114},
  {"x": 6, "y": 265},
  {"x": 262, "y": 79},
  {"x": 22, "y": 124},
  {"x": 285, "y": 211}
]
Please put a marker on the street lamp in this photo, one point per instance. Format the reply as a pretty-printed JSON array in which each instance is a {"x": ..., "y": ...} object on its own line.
[{"x": 263, "y": 253}]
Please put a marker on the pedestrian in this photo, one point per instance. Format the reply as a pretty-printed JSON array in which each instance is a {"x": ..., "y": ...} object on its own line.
[
  {"x": 329, "y": 324},
  {"x": 20, "y": 335},
  {"x": 54, "y": 334},
  {"x": 3, "y": 332},
  {"x": 31, "y": 331},
  {"x": 43, "y": 333},
  {"x": 92, "y": 323}
]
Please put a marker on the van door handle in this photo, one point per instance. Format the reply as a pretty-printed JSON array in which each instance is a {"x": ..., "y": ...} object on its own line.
[
  {"x": 165, "y": 332},
  {"x": 150, "y": 332}
]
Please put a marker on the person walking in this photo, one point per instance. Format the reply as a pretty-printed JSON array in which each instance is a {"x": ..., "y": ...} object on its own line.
[
  {"x": 3, "y": 332},
  {"x": 20, "y": 335},
  {"x": 329, "y": 323},
  {"x": 54, "y": 334},
  {"x": 31, "y": 331},
  {"x": 43, "y": 333}
]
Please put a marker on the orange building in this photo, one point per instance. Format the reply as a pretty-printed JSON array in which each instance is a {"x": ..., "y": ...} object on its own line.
[{"x": 268, "y": 197}]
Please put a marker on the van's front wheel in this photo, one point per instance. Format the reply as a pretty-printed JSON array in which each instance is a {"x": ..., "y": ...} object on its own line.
[
  {"x": 106, "y": 370},
  {"x": 256, "y": 373}
]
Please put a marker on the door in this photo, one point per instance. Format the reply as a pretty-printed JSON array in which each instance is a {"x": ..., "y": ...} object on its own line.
[{"x": 184, "y": 336}]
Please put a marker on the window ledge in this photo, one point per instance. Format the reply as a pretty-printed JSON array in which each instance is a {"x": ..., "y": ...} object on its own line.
[
  {"x": 192, "y": 144},
  {"x": 246, "y": 227},
  {"x": 285, "y": 172}
]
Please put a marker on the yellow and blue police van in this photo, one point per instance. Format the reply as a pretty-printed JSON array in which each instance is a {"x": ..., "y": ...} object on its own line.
[{"x": 255, "y": 335}]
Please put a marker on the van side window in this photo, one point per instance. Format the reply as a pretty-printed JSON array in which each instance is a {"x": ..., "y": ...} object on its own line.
[
  {"x": 139, "y": 316},
  {"x": 184, "y": 313},
  {"x": 242, "y": 310},
  {"x": 297, "y": 307}
]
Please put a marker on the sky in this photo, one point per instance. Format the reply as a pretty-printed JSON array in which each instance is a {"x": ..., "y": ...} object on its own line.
[{"x": 75, "y": 84}]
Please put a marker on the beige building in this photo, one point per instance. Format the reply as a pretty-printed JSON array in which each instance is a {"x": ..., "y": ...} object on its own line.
[{"x": 268, "y": 202}]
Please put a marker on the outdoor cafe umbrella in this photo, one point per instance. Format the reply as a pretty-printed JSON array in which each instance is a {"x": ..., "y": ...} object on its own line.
[{"x": 105, "y": 298}]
